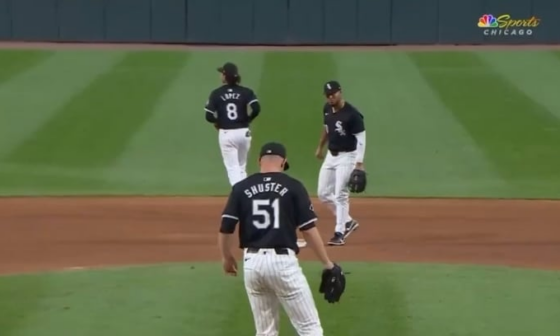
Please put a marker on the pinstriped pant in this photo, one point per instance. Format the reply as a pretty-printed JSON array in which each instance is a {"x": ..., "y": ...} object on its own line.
[
  {"x": 235, "y": 146},
  {"x": 272, "y": 280},
  {"x": 334, "y": 176}
]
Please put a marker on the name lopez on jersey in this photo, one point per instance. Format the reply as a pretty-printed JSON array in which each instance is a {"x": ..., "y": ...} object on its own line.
[
  {"x": 230, "y": 96},
  {"x": 266, "y": 188}
]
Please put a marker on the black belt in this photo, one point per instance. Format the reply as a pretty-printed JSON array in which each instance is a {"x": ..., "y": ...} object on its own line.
[
  {"x": 335, "y": 153},
  {"x": 277, "y": 250}
]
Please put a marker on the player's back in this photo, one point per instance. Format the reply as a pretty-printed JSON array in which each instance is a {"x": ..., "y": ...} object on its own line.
[
  {"x": 271, "y": 207},
  {"x": 231, "y": 105},
  {"x": 270, "y": 210}
]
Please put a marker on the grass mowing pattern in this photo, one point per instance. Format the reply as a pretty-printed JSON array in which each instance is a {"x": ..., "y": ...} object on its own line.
[
  {"x": 509, "y": 126},
  {"x": 414, "y": 143},
  {"x": 441, "y": 124},
  {"x": 536, "y": 73},
  {"x": 14, "y": 62},
  {"x": 94, "y": 128},
  {"x": 197, "y": 299},
  {"x": 291, "y": 92},
  {"x": 556, "y": 54},
  {"x": 36, "y": 182},
  {"x": 21, "y": 299}
]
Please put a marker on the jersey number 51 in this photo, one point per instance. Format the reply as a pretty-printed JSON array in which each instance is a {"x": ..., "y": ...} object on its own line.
[{"x": 267, "y": 213}]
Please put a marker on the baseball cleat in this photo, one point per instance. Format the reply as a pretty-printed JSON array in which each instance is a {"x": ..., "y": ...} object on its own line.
[
  {"x": 337, "y": 240},
  {"x": 351, "y": 226},
  {"x": 301, "y": 243}
]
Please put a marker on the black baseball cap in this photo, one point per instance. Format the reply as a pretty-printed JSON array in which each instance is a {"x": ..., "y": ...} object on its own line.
[
  {"x": 331, "y": 87},
  {"x": 275, "y": 148},
  {"x": 229, "y": 69}
]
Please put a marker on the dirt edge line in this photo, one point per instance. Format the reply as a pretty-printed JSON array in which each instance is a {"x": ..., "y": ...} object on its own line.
[{"x": 122, "y": 267}]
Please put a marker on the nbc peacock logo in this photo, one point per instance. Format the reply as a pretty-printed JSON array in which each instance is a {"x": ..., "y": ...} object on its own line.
[
  {"x": 504, "y": 25},
  {"x": 488, "y": 21}
]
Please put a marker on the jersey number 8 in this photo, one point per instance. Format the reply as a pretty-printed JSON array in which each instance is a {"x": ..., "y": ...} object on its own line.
[
  {"x": 262, "y": 208},
  {"x": 231, "y": 109}
]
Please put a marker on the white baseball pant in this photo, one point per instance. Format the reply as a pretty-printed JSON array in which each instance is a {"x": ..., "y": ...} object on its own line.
[
  {"x": 334, "y": 176},
  {"x": 272, "y": 280},
  {"x": 235, "y": 145}
]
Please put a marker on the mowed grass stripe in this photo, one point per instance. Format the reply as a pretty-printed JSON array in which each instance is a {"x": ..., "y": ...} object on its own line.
[
  {"x": 15, "y": 62},
  {"x": 30, "y": 99},
  {"x": 536, "y": 73},
  {"x": 509, "y": 126},
  {"x": 555, "y": 53},
  {"x": 93, "y": 129},
  {"x": 46, "y": 181},
  {"x": 117, "y": 299},
  {"x": 21, "y": 300},
  {"x": 291, "y": 92},
  {"x": 177, "y": 151},
  {"x": 415, "y": 146},
  {"x": 195, "y": 299}
]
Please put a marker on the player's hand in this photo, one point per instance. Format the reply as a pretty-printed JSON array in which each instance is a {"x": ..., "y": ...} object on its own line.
[
  {"x": 230, "y": 266},
  {"x": 360, "y": 166},
  {"x": 328, "y": 265},
  {"x": 319, "y": 153}
]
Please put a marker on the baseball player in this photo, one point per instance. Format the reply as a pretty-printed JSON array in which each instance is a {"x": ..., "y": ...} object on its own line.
[
  {"x": 226, "y": 108},
  {"x": 270, "y": 207},
  {"x": 345, "y": 134}
]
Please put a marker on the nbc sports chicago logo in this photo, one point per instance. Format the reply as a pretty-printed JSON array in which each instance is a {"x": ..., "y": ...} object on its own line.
[{"x": 504, "y": 25}]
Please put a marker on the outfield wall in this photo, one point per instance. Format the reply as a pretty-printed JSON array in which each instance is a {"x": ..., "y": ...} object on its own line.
[{"x": 279, "y": 21}]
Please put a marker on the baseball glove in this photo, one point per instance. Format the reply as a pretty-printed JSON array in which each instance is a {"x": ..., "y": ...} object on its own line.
[
  {"x": 358, "y": 181},
  {"x": 333, "y": 283}
]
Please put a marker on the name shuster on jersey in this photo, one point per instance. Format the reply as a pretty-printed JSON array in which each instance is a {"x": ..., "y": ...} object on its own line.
[{"x": 266, "y": 188}]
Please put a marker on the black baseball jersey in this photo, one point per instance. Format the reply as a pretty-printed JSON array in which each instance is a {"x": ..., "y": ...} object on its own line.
[
  {"x": 341, "y": 127},
  {"x": 269, "y": 207},
  {"x": 229, "y": 104}
]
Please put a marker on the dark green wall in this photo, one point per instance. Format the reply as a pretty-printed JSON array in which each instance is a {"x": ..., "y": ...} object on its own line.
[
  {"x": 5, "y": 20},
  {"x": 272, "y": 21}
]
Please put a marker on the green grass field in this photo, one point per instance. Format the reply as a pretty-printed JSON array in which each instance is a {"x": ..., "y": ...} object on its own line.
[
  {"x": 469, "y": 124},
  {"x": 387, "y": 300},
  {"x": 440, "y": 124}
]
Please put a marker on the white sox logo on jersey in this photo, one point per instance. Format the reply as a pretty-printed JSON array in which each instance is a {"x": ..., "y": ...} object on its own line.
[{"x": 339, "y": 129}]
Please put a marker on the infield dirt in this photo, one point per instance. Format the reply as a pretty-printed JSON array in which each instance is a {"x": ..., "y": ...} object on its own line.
[{"x": 39, "y": 234}]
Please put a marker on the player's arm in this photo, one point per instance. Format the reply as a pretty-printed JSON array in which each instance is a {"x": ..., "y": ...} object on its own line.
[
  {"x": 230, "y": 218},
  {"x": 322, "y": 139},
  {"x": 313, "y": 238},
  {"x": 254, "y": 105},
  {"x": 211, "y": 110},
  {"x": 306, "y": 224},
  {"x": 359, "y": 131}
]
